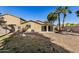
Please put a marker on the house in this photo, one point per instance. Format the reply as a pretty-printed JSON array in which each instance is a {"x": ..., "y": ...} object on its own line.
[
  {"x": 9, "y": 23},
  {"x": 37, "y": 26},
  {"x": 13, "y": 23},
  {"x": 13, "y": 20}
]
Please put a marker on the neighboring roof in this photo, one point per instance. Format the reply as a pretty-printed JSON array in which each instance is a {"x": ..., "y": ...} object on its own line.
[
  {"x": 22, "y": 19},
  {"x": 15, "y": 16},
  {"x": 38, "y": 22},
  {"x": 30, "y": 21}
]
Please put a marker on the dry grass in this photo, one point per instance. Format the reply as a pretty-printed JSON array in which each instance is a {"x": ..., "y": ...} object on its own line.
[{"x": 30, "y": 43}]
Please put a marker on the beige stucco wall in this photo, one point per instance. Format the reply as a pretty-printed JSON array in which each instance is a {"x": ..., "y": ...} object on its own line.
[
  {"x": 34, "y": 26},
  {"x": 11, "y": 19},
  {"x": 21, "y": 21}
]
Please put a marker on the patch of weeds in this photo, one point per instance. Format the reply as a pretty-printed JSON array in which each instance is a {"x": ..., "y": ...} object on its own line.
[
  {"x": 6, "y": 41},
  {"x": 15, "y": 49}
]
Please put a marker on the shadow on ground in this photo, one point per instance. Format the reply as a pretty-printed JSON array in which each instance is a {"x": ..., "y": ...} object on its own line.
[{"x": 30, "y": 43}]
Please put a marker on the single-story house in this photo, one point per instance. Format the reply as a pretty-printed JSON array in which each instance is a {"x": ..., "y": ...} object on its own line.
[{"x": 37, "y": 26}]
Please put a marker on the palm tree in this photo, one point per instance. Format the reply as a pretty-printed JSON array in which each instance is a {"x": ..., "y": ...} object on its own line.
[
  {"x": 65, "y": 10},
  {"x": 52, "y": 17},
  {"x": 58, "y": 11}
]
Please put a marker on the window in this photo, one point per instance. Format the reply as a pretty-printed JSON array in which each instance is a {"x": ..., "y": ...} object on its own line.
[
  {"x": 44, "y": 28},
  {"x": 50, "y": 28},
  {"x": 29, "y": 26}
]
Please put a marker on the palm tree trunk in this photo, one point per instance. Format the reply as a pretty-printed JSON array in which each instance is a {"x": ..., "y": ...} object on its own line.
[
  {"x": 63, "y": 21},
  {"x": 59, "y": 21},
  {"x": 53, "y": 25}
]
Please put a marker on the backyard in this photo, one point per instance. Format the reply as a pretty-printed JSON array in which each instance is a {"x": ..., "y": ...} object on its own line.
[
  {"x": 41, "y": 43},
  {"x": 30, "y": 43}
]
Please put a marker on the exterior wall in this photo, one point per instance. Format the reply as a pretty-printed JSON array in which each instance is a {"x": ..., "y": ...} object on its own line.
[
  {"x": 21, "y": 21},
  {"x": 34, "y": 26},
  {"x": 11, "y": 19},
  {"x": 48, "y": 28}
]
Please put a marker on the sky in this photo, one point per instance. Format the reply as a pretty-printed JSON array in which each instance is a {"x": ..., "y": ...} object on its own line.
[{"x": 38, "y": 12}]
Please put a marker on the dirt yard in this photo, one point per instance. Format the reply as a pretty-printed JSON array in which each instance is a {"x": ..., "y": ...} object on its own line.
[
  {"x": 42, "y": 42},
  {"x": 69, "y": 41},
  {"x": 30, "y": 43}
]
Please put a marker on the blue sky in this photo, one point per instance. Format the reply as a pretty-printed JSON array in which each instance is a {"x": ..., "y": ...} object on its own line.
[{"x": 37, "y": 12}]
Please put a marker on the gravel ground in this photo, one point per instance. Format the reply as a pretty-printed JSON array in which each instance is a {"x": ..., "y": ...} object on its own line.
[
  {"x": 30, "y": 43},
  {"x": 67, "y": 40}
]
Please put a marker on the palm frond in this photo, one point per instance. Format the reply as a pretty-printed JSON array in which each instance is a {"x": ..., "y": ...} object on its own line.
[
  {"x": 77, "y": 15},
  {"x": 69, "y": 11},
  {"x": 52, "y": 16},
  {"x": 77, "y": 12},
  {"x": 66, "y": 7}
]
